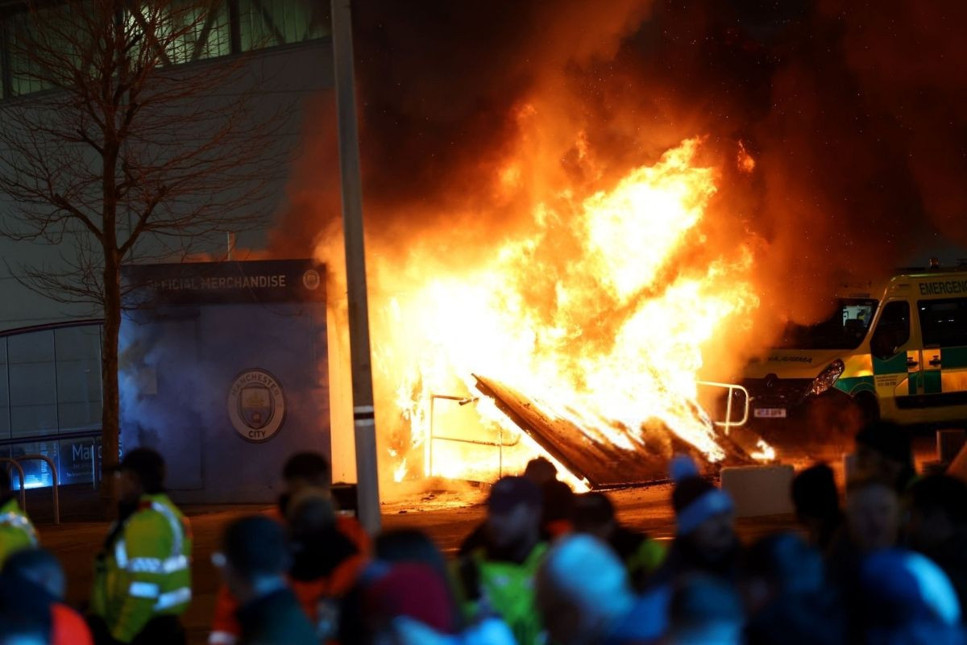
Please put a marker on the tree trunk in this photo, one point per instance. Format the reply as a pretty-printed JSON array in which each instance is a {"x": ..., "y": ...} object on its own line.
[{"x": 111, "y": 410}]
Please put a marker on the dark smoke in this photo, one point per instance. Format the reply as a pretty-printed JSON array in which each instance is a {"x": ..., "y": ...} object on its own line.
[{"x": 855, "y": 110}]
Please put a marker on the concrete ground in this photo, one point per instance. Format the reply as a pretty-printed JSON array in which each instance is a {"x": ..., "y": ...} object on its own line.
[{"x": 446, "y": 515}]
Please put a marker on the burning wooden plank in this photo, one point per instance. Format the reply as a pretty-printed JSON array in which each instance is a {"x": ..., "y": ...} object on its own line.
[{"x": 642, "y": 458}]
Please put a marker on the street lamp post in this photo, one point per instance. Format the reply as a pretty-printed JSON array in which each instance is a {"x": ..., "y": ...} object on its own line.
[{"x": 364, "y": 419}]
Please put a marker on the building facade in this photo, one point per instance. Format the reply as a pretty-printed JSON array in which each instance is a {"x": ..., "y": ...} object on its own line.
[{"x": 50, "y": 348}]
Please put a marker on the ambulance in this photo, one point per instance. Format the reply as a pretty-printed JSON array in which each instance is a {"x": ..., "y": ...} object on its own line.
[{"x": 898, "y": 354}]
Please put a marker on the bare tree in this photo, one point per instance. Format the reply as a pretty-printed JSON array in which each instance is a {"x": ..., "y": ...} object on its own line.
[{"x": 118, "y": 145}]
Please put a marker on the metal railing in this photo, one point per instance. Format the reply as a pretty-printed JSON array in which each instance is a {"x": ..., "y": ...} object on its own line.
[
  {"x": 464, "y": 400},
  {"x": 728, "y": 424},
  {"x": 55, "y": 487},
  {"x": 23, "y": 480}
]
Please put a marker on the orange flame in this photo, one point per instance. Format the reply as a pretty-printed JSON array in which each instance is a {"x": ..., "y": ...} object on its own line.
[
  {"x": 744, "y": 160},
  {"x": 584, "y": 313}
]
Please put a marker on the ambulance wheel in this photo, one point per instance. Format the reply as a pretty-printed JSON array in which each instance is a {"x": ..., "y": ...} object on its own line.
[{"x": 869, "y": 407}]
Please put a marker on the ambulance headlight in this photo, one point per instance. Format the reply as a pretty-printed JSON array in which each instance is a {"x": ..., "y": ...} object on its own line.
[{"x": 827, "y": 378}]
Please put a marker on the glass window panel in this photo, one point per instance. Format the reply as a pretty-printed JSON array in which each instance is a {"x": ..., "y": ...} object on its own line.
[
  {"x": 78, "y": 377},
  {"x": 33, "y": 347},
  {"x": 197, "y": 33},
  {"x": 24, "y": 72},
  {"x": 81, "y": 342},
  {"x": 28, "y": 71},
  {"x": 943, "y": 322},
  {"x": 79, "y": 416},
  {"x": 33, "y": 420},
  {"x": 268, "y": 23},
  {"x": 190, "y": 33},
  {"x": 4, "y": 386},
  {"x": 185, "y": 29},
  {"x": 78, "y": 381},
  {"x": 33, "y": 387},
  {"x": 77, "y": 460},
  {"x": 32, "y": 384},
  {"x": 37, "y": 472},
  {"x": 4, "y": 392}
]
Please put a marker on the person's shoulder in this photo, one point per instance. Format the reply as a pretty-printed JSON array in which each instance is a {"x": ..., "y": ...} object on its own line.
[
  {"x": 647, "y": 619},
  {"x": 351, "y": 528},
  {"x": 537, "y": 554},
  {"x": 11, "y": 506},
  {"x": 476, "y": 539},
  {"x": 154, "y": 512},
  {"x": 158, "y": 503}
]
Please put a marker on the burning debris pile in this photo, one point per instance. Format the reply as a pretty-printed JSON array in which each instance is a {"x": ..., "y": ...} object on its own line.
[
  {"x": 586, "y": 313},
  {"x": 600, "y": 452},
  {"x": 595, "y": 209}
]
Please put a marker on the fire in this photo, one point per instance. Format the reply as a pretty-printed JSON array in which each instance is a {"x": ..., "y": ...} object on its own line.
[
  {"x": 744, "y": 160},
  {"x": 764, "y": 452},
  {"x": 586, "y": 312}
]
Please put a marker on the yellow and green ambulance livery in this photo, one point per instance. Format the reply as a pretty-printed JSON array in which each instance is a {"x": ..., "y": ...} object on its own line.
[{"x": 900, "y": 354}]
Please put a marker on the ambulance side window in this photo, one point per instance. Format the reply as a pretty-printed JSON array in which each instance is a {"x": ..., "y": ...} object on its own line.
[
  {"x": 944, "y": 322},
  {"x": 892, "y": 330}
]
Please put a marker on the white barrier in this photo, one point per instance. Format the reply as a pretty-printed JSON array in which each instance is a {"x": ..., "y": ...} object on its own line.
[{"x": 759, "y": 490}]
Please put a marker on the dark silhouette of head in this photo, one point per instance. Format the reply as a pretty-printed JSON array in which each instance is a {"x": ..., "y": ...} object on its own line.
[
  {"x": 254, "y": 549},
  {"x": 540, "y": 471},
  {"x": 937, "y": 511}
]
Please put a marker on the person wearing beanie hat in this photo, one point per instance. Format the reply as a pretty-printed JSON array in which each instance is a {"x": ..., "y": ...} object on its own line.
[
  {"x": 705, "y": 540},
  {"x": 906, "y": 598},
  {"x": 408, "y": 589},
  {"x": 497, "y": 577},
  {"x": 584, "y": 595}
]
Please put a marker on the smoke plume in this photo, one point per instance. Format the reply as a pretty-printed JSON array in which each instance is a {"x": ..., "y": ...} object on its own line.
[
  {"x": 854, "y": 112},
  {"x": 476, "y": 115}
]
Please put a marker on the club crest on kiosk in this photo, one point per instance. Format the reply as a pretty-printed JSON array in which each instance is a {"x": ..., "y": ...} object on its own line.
[{"x": 256, "y": 405}]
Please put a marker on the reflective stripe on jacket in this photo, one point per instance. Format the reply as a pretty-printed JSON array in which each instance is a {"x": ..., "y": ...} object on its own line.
[
  {"x": 146, "y": 572},
  {"x": 16, "y": 531}
]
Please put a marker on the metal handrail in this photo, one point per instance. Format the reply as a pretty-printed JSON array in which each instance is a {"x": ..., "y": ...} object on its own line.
[
  {"x": 56, "y": 486},
  {"x": 727, "y": 425},
  {"x": 23, "y": 481},
  {"x": 463, "y": 400}
]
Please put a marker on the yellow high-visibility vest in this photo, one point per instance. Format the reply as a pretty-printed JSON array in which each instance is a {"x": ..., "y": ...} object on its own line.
[{"x": 146, "y": 571}]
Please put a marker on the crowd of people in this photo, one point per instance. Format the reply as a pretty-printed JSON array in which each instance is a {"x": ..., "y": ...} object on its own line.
[{"x": 545, "y": 566}]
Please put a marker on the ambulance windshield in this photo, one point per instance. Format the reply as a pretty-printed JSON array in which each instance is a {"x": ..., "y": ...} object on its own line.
[{"x": 844, "y": 329}]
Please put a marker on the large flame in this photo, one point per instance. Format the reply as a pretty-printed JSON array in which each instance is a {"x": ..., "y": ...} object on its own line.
[{"x": 585, "y": 313}]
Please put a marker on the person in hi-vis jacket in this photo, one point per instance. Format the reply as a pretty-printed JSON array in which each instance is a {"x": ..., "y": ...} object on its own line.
[{"x": 142, "y": 577}]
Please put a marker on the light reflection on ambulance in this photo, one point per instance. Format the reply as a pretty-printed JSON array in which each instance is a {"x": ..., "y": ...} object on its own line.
[{"x": 900, "y": 354}]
